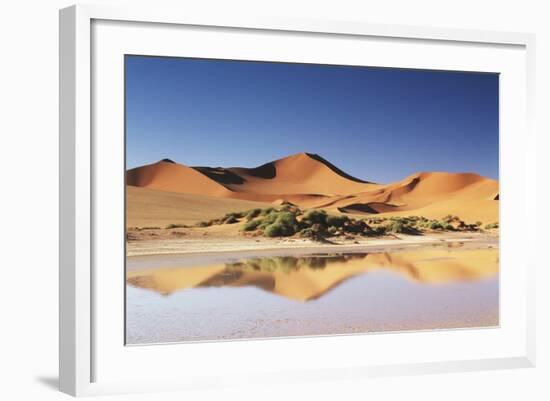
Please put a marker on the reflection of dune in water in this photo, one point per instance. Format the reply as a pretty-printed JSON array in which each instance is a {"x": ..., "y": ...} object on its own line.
[{"x": 310, "y": 277}]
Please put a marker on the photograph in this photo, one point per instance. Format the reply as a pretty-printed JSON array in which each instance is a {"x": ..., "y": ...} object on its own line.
[{"x": 274, "y": 199}]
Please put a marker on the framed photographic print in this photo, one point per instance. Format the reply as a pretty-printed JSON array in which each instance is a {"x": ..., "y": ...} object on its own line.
[{"x": 277, "y": 200}]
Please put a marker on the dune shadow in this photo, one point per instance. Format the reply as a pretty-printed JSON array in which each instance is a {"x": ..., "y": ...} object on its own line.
[
  {"x": 336, "y": 169},
  {"x": 266, "y": 171},
  {"x": 221, "y": 175},
  {"x": 368, "y": 208}
]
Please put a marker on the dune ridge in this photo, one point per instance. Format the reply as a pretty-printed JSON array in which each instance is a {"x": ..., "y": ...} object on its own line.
[{"x": 310, "y": 181}]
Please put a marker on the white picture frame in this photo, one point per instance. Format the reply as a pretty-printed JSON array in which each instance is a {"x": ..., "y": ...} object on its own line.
[{"x": 80, "y": 217}]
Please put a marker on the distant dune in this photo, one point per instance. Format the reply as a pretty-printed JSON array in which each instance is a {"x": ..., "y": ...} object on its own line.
[
  {"x": 309, "y": 181},
  {"x": 433, "y": 195}
]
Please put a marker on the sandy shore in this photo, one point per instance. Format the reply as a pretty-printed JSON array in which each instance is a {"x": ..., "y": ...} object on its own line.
[{"x": 204, "y": 244}]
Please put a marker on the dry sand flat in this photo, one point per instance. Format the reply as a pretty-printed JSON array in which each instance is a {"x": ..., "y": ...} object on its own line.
[
  {"x": 308, "y": 180},
  {"x": 226, "y": 238}
]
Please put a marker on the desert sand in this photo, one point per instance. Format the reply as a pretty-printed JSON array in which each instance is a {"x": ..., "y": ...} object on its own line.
[
  {"x": 180, "y": 246},
  {"x": 167, "y": 193},
  {"x": 308, "y": 181},
  {"x": 228, "y": 238}
]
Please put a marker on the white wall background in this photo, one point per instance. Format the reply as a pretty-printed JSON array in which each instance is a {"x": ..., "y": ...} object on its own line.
[{"x": 28, "y": 196}]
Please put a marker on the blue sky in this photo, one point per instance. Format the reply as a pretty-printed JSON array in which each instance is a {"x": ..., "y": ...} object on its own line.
[{"x": 374, "y": 123}]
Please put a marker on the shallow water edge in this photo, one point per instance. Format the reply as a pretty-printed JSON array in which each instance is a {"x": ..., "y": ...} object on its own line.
[{"x": 178, "y": 298}]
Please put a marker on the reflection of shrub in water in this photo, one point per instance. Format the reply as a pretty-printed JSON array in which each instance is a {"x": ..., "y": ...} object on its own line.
[
  {"x": 314, "y": 262},
  {"x": 289, "y": 264},
  {"x": 279, "y": 263}
]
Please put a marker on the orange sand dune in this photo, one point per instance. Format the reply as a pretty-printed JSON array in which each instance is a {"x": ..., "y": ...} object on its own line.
[
  {"x": 470, "y": 211},
  {"x": 249, "y": 184},
  {"x": 423, "y": 189},
  {"x": 308, "y": 278},
  {"x": 310, "y": 181},
  {"x": 152, "y": 208},
  {"x": 302, "y": 173},
  {"x": 166, "y": 175},
  {"x": 433, "y": 195}
]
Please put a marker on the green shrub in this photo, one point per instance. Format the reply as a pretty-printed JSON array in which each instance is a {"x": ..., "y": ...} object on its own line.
[
  {"x": 396, "y": 227},
  {"x": 445, "y": 226},
  {"x": 315, "y": 216},
  {"x": 267, "y": 211},
  {"x": 233, "y": 215},
  {"x": 376, "y": 220},
  {"x": 410, "y": 221},
  {"x": 403, "y": 227},
  {"x": 337, "y": 221},
  {"x": 417, "y": 219},
  {"x": 316, "y": 232},
  {"x": 491, "y": 226},
  {"x": 231, "y": 220},
  {"x": 283, "y": 224},
  {"x": 278, "y": 230},
  {"x": 286, "y": 218},
  {"x": 478, "y": 223},
  {"x": 307, "y": 233},
  {"x": 378, "y": 231},
  {"x": 290, "y": 208},
  {"x": 253, "y": 213},
  {"x": 169, "y": 226},
  {"x": 289, "y": 223},
  {"x": 435, "y": 225},
  {"x": 319, "y": 229},
  {"x": 251, "y": 225},
  {"x": 267, "y": 220},
  {"x": 273, "y": 230},
  {"x": 204, "y": 223},
  {"x": 449, "y": 218},
  {"x": 355, "y": 226},
  {"x": 228, "y": 220}
]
